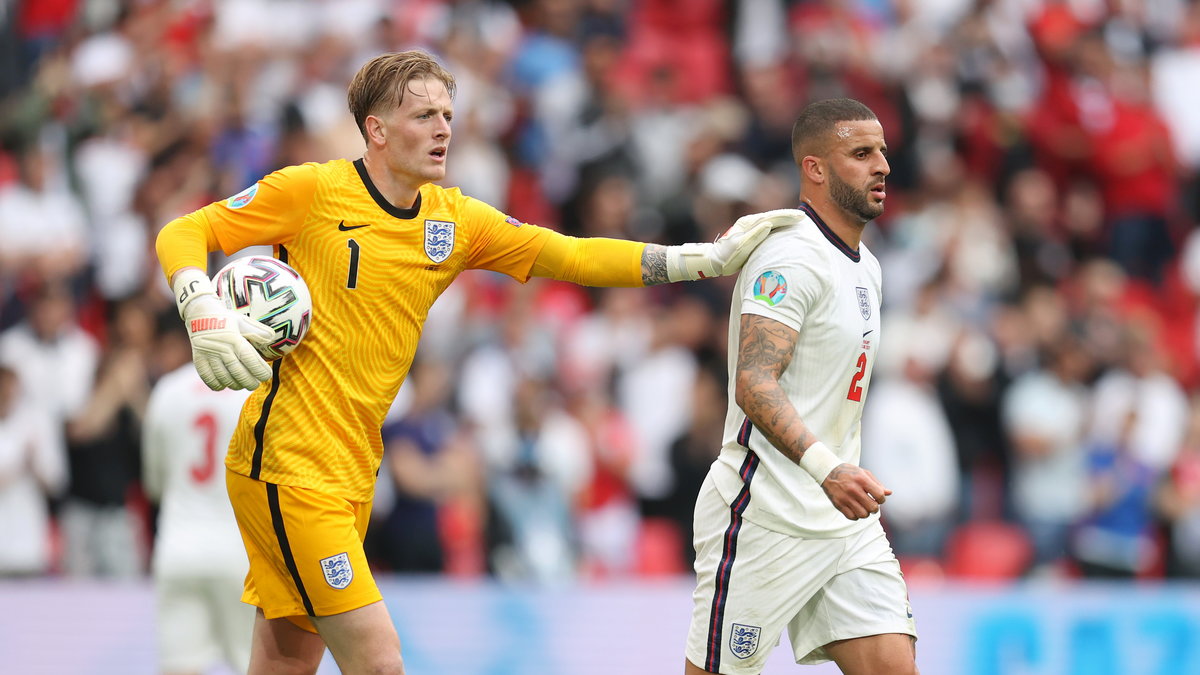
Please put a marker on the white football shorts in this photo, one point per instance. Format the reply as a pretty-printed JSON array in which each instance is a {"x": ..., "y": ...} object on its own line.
[
  {"x": 752, "y": 582},
  {"x": 202, "y": 623}
]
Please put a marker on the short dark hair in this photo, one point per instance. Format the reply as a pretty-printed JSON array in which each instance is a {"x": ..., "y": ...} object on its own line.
[
  {"x": 383, "y": 80},
  {"x": 812, "y": 131}
]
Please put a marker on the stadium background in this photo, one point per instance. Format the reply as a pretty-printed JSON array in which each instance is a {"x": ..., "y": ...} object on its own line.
[{"x": 1034, "y": 406}]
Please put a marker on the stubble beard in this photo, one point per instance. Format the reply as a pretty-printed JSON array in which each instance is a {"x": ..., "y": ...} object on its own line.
[{"x": 853, "y": 201}]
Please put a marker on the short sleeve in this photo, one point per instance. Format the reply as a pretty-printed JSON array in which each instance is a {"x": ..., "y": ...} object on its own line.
[
  {"x": 271, "y": 211},
  {"x": 499, "y": 242},
  {"x": 784, "y": 285}
]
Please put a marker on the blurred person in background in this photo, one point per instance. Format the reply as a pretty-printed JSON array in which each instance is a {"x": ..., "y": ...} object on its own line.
[
  {"x": 199, "y": 563},
  {"x": 607, "y": 512},
  {"x": 1044, "y": 412},
  {"x": 1115, "y": 537},
  {"x": 787, "y": 522},
  {"x": 1141, "y": 382},
  {"x": 33, "y": 471},
  {"x": 433, "y": 466},
  {"x": 376, "y": 242},
  {"x": 692, "y": 453},
  {"x": 907, "y": 441},
  {"x": 43, "y": 227},
  {"x": 53, "y": 356},
  {"x": 537, "y": 473},
  {"x": 102, "y": 528}
]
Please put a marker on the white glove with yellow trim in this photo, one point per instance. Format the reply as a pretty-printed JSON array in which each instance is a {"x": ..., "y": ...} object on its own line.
[
  {"x": 222, "y": 348},
  {"x": 728, "y": 253}
]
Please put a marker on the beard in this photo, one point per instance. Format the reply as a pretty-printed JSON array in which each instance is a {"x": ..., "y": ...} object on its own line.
[{"x": 852, "y": 200}]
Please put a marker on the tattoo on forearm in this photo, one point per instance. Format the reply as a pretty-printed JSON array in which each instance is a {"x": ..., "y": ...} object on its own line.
[
  {"x": 654, "y": 265},
  {"x": 765, "y": 351}
]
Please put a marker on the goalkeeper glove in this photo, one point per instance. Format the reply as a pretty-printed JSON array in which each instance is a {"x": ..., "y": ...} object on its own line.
[
  {"x": 728, "y": 253},
  {"x": 222, "y": 340}
]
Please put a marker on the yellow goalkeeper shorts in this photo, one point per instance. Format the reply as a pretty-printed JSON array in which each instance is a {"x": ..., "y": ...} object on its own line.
[{"x": 305, "y": 549}]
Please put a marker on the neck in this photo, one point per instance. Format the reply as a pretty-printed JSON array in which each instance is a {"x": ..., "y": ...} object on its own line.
[
  {"x": 398, "y": 193},
  {"x": 847, "y": 227}
]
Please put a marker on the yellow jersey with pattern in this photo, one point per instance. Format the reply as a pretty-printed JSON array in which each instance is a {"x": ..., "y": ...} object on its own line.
[{"x": 373, "y": 271}]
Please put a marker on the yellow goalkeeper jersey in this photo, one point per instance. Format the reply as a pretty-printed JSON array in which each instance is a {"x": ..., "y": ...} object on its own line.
[{"x": 373, "y": 270}]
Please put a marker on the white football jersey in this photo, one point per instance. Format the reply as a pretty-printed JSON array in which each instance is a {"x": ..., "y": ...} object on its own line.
[
  {"x": 804, "y": 277},
  {"x": 185, "y": 436}
]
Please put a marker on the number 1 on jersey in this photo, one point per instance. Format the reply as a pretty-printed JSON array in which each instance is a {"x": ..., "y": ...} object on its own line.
[
  {"x": 352, "y": 276},
  {"x": 855, "y": 393}
]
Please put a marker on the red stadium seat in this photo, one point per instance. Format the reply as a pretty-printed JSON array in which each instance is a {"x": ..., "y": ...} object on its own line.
[
  {"x": 988, "y": 551},
  {"x": 659, "y": 549}
]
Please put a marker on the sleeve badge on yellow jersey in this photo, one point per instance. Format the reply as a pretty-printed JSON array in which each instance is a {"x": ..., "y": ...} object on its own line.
[
  {"x": 439, "y": 239},
  {"x": 242, "y": 198},
  {"x": 512, "y": 221}
]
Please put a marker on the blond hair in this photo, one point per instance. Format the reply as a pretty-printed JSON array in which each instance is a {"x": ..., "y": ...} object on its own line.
[{"x": 383, "y": 81}]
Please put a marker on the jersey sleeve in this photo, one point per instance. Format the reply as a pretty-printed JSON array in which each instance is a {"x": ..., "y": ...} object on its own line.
[
  {"x": 783, "y": 283},
  {"x": 501, "y": 243},
  {"x": 271, "y": 211}
]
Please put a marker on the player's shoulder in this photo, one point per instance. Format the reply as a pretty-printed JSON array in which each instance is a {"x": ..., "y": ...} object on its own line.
[
  {"x": 443, "y": 197},
  {"x": 799, "y": 242}
]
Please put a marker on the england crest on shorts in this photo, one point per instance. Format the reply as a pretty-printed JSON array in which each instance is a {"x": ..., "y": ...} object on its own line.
[
  {"x": 439, "y": 239},
  {"x": 337, "y": 569},
  {"x": 743, "y": 640},
  {"x": 864, "y": 302}
]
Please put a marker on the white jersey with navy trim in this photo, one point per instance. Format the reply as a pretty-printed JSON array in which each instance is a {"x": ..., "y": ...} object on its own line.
[
  {"x": 808, "y": 279},
  {"x": 185, "y": 436}
]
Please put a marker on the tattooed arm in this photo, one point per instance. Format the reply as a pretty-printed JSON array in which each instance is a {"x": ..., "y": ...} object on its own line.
[
  {"x": 765, "y": 351},
  {"x": 654, "y": 265}
]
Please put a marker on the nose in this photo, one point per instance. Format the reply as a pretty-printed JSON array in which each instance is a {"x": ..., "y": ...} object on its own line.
[
  {"x": 442, "y": 132},
  {"x": 883, "y": 168}
]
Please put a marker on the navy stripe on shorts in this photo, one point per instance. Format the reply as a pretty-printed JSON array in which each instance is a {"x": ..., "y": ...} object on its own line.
[{"x": 712, "y": 661}]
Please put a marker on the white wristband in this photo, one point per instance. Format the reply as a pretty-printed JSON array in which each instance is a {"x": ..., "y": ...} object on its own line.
[
  {"x": 818, "y": 460},
  {"x": 191, "y": 283},
  {"x": 689, "y": 262}
]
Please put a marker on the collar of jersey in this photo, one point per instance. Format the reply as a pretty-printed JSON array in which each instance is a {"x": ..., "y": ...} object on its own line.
[
  {"x": 391, "y": 209},
  {"x": 829, "y": 234}
]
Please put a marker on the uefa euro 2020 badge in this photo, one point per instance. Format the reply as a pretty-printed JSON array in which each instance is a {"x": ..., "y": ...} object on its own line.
[
  {"x": 743, "y": 640},
  {"x": 337, "y": 569}
]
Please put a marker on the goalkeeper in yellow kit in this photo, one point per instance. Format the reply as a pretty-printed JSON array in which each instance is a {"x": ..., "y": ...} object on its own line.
[{"x": 376, "y": 243}]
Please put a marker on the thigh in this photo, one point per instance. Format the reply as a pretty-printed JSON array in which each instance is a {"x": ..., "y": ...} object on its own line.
[
  {"x": 185, "y": 640},
  {"x": 280, "y": 646},
  {"x": 363, "y": 640},
  {"x": 867, "y": 597},
  {"x": 305, "y": 550},
  {"x": 893, "y": 653},
  {"x": 750, "y": 581}
]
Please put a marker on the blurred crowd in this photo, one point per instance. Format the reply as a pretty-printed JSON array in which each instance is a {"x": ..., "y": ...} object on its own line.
[{"x": 1036, "y": 406}]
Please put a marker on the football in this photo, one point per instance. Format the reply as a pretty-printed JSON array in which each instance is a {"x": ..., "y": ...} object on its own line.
[{"x": 270, "y": 292}]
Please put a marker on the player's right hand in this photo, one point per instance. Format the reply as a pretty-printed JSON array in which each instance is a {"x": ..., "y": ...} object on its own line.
[
  {"x": 221, "y": 339},
  {"x": 854, "y": 491}
]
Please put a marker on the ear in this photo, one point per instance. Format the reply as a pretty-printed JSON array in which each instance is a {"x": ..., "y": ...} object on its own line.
[
  {"x": 376, "y": 130},
  {"x": 813, "y": 169}
]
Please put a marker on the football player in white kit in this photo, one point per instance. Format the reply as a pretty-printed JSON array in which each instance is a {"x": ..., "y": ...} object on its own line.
[
  {"x": 787, "y": 530},
  {"x": 199, "y": 562}
]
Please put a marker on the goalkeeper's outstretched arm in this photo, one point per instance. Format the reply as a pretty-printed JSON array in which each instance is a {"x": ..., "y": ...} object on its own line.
[{"x": 614, "y": 262}]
